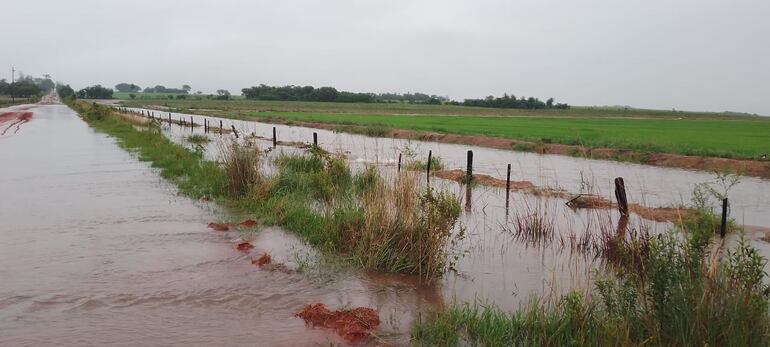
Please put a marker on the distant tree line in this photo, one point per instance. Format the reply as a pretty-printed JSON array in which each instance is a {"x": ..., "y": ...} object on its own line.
[
  {"x": 161, "y": 89},
  {"x": 65, "y": 91},
  {"x": 27, "y": 86},
  {"x": 95, "y": 92},
  {"x": 510, "y": 101},
  {"x": 304, "y": 93},
  {"x": 416, "y": 98}
]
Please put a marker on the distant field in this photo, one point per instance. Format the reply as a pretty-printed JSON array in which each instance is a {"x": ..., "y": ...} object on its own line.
[{"x": 705, "y": 134}]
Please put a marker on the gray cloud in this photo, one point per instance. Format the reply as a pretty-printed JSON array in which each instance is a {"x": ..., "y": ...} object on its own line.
[{"x": 695, "y": 55}]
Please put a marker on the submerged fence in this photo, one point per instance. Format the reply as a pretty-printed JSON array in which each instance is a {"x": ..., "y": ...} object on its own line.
[{"x": 620, "y": 187}]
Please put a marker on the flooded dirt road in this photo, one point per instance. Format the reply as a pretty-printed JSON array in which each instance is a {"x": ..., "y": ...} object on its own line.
[{"x": 96, "y": 249}]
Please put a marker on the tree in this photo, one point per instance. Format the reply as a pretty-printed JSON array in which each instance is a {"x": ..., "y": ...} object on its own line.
[
  {"x": 186, "y": 88},
  {"x": 95, "y": 92},
  {"x": 223, "y": 94},
  {"x": 127, "y": 88},
  {"x": 326, "y": 94},
  {"x": 24, "y": 89},
  {"x": 65, "y": 91},
  {"x": 4, "y": 87}
]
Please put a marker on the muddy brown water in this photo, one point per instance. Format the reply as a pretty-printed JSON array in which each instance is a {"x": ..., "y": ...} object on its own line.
[
  {"x": 96, "y": 249},
  {"x": 647, "y": 185}
]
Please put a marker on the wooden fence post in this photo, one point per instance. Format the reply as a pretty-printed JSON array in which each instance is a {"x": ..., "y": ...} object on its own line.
[
  {"x": 275, "y": 138},
  {"x": 723, "y": 226},
  {"x": 508, "y": 188},
  {"x": 220, "y": 127},
  {"x": 430, "y": 156},
  {"x": 469, "y": 168},
  {"x": 620, "y": 195},
  {"x": 399, "y": 162},
  {"x": 315, "y": 139},
  {"x": 234, "y": 131}
]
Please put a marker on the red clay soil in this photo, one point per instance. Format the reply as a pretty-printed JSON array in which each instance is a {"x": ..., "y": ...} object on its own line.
[
  {"x": 747, "y": 167},
  {"x": 14, "y": 120},
  {"x": 245, "y": 246},
  {"x": 352, "y": 325},
  {"x": 219, "y": 226},
  {"x": 658, "y": 214},
  {"x": 248, "y": 223},
  {"x": 264, "y": 259}
]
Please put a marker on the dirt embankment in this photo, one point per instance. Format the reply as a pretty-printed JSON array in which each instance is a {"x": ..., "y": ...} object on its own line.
[
  {"x": 659, "y": 214},
  {"x": 754, "y": 168}
]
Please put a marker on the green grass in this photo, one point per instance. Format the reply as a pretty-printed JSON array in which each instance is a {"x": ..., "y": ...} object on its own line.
[
  {"x": 703, "y": 134},
  {"x": 667, "y": 293}
]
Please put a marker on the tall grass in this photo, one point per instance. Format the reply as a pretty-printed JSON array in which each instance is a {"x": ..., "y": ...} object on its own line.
[
  {"x": 241, "y": 163},
  {"x": 684, "y": 291},
  {"x": 397, "y": 227}
]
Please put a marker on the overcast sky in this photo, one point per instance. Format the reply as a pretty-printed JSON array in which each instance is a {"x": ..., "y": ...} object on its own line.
[{"x": 694, "y": 55}]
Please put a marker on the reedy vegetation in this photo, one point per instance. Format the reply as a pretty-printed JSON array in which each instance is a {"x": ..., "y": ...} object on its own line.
[
  {"x": 679, "y": 288},
  {"x": 397, "y": 227}
]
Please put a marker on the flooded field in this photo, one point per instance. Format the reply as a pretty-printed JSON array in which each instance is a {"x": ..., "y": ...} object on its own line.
[{"x": 97, "y": 248}]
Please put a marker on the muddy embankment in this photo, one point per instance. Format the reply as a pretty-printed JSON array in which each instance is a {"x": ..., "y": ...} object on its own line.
[
  {"x": 754, "y": 168},
  {"x": 577, "y": 201}
]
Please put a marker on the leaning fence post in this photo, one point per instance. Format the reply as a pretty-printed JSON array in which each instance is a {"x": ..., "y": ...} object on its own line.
[
  {"x": 234, "y": 131},
  {"x": 399, "y": 162},
  {"x": 430, "y": 156},
  {"x": 508, "y": 188},
  {"x": 275, "y": 139},
  {"x": 723, "y": 227},
  {"x": 469, "y": 168},
  {"x": 620, "y": 195}
]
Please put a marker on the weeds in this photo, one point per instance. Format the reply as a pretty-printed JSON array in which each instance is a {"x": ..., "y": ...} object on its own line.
[
  {"x": 241, "y": 165},
  {"x": 198, "y": 139},
  {"x": 435, "y": 164},
  {"x": 679, "y": 296}
]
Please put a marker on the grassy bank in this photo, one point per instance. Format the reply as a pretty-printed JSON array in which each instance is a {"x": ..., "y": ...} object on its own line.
[
  {"x": 389, "y": 226},
  {"x": 687, "y": 133},
  {"x": 675, "y": 289}
]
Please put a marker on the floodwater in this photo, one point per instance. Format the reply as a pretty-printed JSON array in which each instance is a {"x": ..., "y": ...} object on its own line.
[
  {"x": 96, "y": 249},
  {"x": 647, "y": 185},
  {"x": 494, "y": 266}
]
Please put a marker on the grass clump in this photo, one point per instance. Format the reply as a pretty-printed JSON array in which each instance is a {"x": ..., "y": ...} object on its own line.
[
  {"x": 399, "y": 227},
  {"x": 198, "y": 139},
  {"x": 241, "y": 163},
  {"x": 681, "y": 294},
  {"x": 421, "y": 165}
]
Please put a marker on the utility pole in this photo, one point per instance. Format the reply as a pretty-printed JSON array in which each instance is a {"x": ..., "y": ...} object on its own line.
[{"x": 13, "y": 74}]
